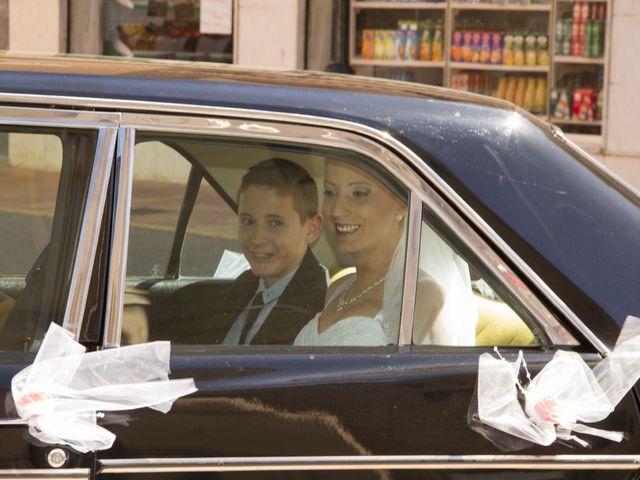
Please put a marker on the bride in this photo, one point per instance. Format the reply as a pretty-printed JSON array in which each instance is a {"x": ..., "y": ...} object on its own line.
[{"x": 367, "y": 222}]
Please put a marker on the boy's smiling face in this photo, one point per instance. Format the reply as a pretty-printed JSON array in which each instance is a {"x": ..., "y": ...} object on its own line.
[{"x": 271, "y": 233}]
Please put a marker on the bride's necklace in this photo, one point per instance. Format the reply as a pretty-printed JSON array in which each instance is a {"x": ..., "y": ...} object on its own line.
[{"x": 343, "y": 304}]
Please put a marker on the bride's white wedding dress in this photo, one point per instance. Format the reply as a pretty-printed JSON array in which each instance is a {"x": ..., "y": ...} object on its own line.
[
  {"x": 350, "y": 331},
  {"x": 358, "y": 331}
]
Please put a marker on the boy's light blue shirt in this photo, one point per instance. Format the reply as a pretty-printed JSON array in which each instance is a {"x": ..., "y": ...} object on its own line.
[{"x": 270, "y": 296}]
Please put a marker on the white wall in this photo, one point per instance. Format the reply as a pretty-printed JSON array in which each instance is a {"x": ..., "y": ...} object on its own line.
[
  {"x": 623, "y": 127},
  {"x": 37, "y": 26},
  {"x": 271, "y": 33}
]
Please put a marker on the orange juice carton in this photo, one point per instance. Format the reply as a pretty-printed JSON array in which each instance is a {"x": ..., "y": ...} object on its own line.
[
  {"x": 476, "y": 43},
  {"x": 368, "y": 42},
  {"x": 496, "y": 40},
  {"x": 389, "y": 44},
  {"x": 378, "y": 46},
  {"x": 467, "y": 48},
  {"x": 485, "y": 47},
  {"x": 456, "y": 46},
  {"x": 426, "y": 41},
  {"x": 400, "y": 41},
  {"x": 411, "y": 48}
]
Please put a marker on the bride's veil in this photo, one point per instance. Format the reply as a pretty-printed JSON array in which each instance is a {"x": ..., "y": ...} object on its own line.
[{"x": 455, "y": 324}]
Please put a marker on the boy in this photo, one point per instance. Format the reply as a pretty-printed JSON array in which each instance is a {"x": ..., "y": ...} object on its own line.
[{"x": 278, "y": 220}]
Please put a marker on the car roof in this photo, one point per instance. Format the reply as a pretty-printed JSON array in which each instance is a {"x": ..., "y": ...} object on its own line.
[{"x": 208, "y": 72}]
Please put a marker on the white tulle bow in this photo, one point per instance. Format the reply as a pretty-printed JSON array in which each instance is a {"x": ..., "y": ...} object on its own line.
[
  {"x": 562, "y": 397},
  {"x": 62, "y": 391}
]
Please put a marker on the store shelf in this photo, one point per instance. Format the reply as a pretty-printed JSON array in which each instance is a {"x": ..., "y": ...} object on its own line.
[
  {"x": 527, "y": 18},
  {"x": 396, "y": 63},
  {"x": 498, "y": 68},
  {"x": 506, "y": 7},
  {"x": 399, "y": 5},
  {"x": 578, "y": 60}
]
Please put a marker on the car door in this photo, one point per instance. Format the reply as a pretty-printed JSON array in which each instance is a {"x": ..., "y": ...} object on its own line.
[
  {"x": 397, "y": 411},
  {"x": 55, "y": 166}
]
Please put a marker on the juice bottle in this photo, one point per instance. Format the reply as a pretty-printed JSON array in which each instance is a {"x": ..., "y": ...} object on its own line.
[
  {"x": 530, "y": 56},
  {"x": 507, "y": 50},
  {"x": 518, "y": 50},
  {"x": 425, "y": 41},
  {"x": 512, "y": 83},
  {"x": 542, "y": 50},
  {"x": 436, "y": 52},
  {"x": 529, "y": 94},
  {"x": 540, "y": 96},
  {"x": 521, "y": 87},
  {"x": 501, "y": 91}
]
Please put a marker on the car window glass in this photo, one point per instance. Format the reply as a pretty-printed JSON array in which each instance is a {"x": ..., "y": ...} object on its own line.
[
  {"x": 211, "y": 230},
  {"x": 44, "y": 176},
  {"x": 159, "y": 181},
  {"x": 306, "y": 217},
  {"x": 457, "y": 304}
]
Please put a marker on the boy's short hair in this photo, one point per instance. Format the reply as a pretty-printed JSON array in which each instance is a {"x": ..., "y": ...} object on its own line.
[{"x": 286, "y": 178}]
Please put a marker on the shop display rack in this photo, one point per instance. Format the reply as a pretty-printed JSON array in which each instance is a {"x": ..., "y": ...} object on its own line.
[{"x": 572, "y": 71}]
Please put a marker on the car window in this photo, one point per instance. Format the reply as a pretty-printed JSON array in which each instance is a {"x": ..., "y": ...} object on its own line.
[
  {"x": 44, "y": 176},
  {"x": 251, "y": 240},
  {"x": 468, "y": 309},
  {"x": 157, "y": 192}
]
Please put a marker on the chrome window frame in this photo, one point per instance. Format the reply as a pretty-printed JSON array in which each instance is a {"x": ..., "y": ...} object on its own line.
[
  {"x": 289, "y": 129},
  {"x": 105, "y": 123},
  {"x": 371, "y": 462}
]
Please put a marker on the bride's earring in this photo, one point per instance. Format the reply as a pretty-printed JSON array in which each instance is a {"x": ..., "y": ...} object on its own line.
[{"x": 399, "y": 217}]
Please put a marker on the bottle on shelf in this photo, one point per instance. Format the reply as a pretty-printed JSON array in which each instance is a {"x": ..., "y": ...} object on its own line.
[
  {"x": 530, "y": 54},
  {"x": 425, "y": 41},
  {"x": 521, "y": 87},
  {"x": 540, "y": 96},
  {"x": 542, "y": 50},
  {"x": 512, "y": 84},
  {"x": 518, "y": 49},
  {"x": 507, "y": 50},
  {"x": 437, "y": 45},
  {"x": 529, "y": 94}
]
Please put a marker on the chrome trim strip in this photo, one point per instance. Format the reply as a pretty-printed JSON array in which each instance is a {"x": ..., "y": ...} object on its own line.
[
  {"x": 90, "y": 231},
  {"x": 56, "y": 118},
  {"x": 8, "y": 422},
  {"x": 120, "y": 239},
  {"x": 48, "y": 473},
  {"x": 369, "y": 462},
  {"x": 414, "y": 219},
  {"x": 370, "y": 132},
  {"x": 307, "y": 134}
]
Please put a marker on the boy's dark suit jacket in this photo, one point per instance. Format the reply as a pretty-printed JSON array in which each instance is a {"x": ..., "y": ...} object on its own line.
[{"x": 300, "y": 301}]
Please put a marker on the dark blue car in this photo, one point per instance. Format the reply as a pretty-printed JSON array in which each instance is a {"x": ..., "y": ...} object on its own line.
[{"x": 119, "y": 187}]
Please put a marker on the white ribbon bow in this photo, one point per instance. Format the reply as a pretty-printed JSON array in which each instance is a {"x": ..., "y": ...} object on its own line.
[
  {"x": 61, "y": 392},
  {"x": 563, "y": 396}
]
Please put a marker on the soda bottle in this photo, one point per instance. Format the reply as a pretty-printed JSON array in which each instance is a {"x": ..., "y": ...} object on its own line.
[{"x": 588, "y": 36}]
